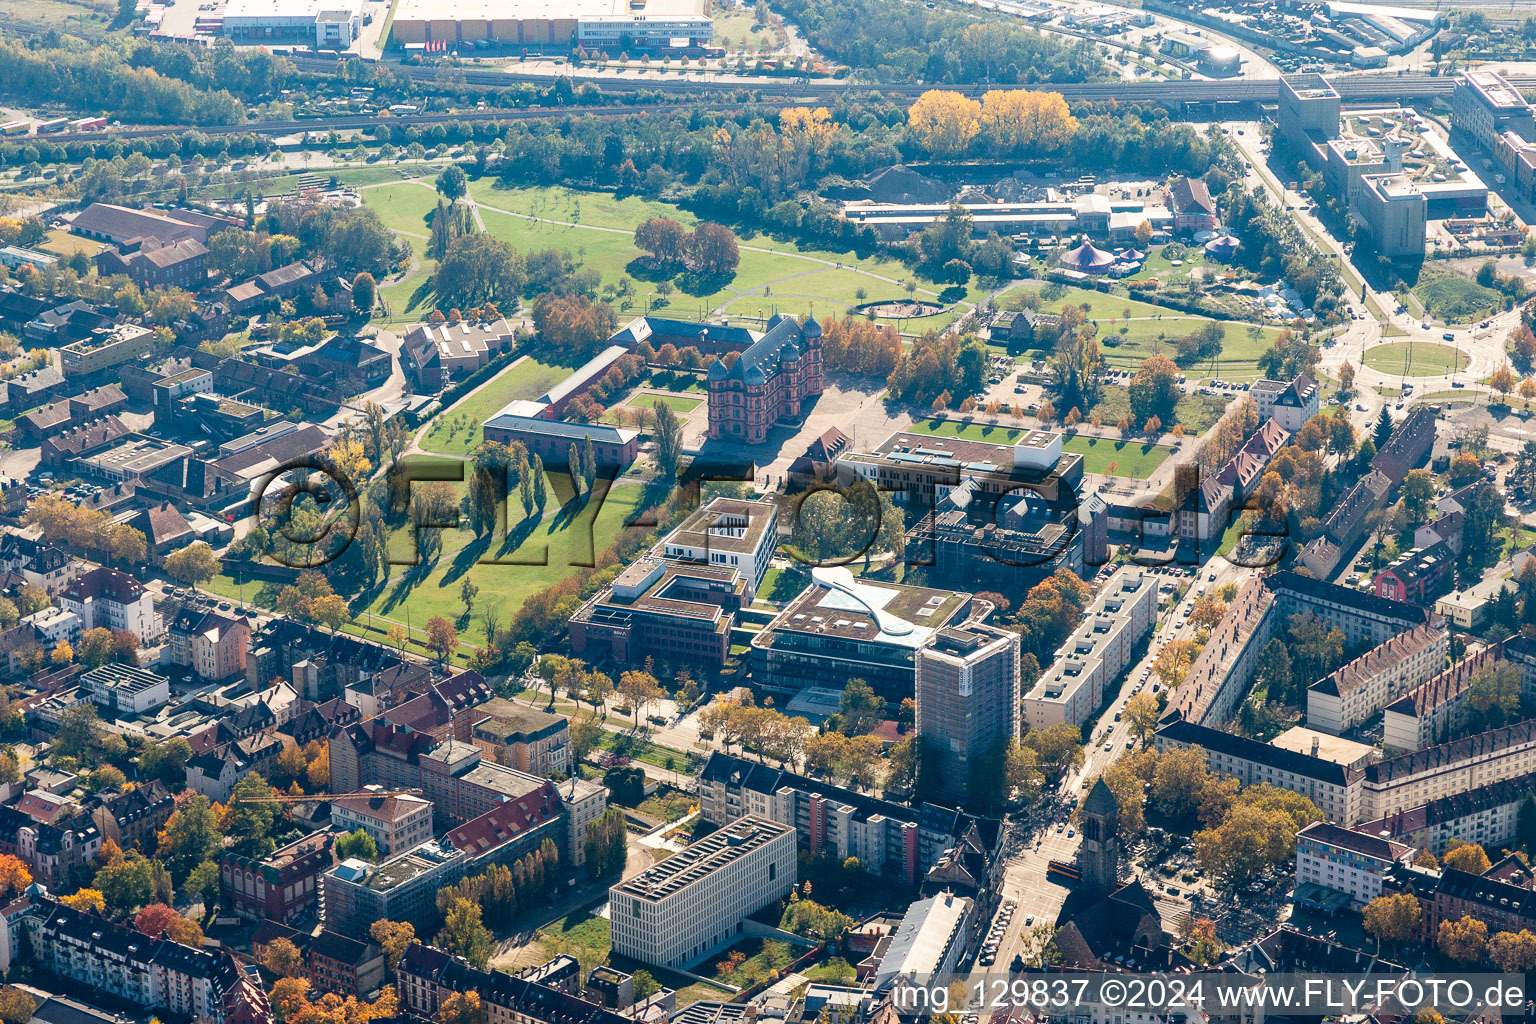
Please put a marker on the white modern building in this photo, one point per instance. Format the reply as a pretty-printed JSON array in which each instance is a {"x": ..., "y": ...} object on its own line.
[
  {"x": 1096, "y": 653},
  {"x": 728, "y": 533},
  {"x": 695, "y": 902},
  {"x": 323, "y": 24},
  {"x": 126, "y": 690},
  {"x": 929, "y": 941}
]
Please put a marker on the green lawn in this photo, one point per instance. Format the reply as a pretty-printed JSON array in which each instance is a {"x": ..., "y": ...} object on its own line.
[
  {"x": 967, "y": 430},
  {"x": 1415, "y": 359},
  {"x": 409, "y": 300},
  {"x": 737, "y": 29},
  {"x": 451, "y": 433},
  {"x": 536, "y": 554},
  {"x": 63, "y": 243},
  {"x": 405, "y": 207},
  {"x": 1130, "y": 458},
  {"x": 677, "y": 403},
  {"x": 596, "y": 230},
  {"x": 1131, "y": 331}
]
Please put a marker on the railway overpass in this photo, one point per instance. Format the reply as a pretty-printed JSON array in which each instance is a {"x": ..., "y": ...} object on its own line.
[{"x": 731, "y": 95}]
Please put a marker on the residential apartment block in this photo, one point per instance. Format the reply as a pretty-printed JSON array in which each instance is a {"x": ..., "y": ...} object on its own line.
[
  {"x": 1096, "y": 653},
  {"x": 967, "y": 684},
  {"x": 889, "y": 839},
  {"x": 1347, "y": 697},
  {"x": 1343, "y": 861},
  {"x": 696, "y": 901},
  {"x": 120, "y": 962},
  {"x": 397, "y": 823},
  {"x": 113, "y": 600}
]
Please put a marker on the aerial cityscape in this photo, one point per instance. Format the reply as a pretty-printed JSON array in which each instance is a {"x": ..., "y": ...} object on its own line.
[{"x": 817, "y": 511}]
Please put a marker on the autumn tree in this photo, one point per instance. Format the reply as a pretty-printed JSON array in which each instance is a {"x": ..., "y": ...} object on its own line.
[
  {"x": 463, "y": 934},
  {"x": 196, "y": 563},
  {"x": 1394, "y": 918},
  {"x": 461, "y": 1008},
  {"x": 442, "y": 638},
  {"x": 1504, "y": 380},
  {"x": 393, "y": 937},
  {"x": 1468, "y": 857},
  {"x": 16, "y": 1005},
  {"x": 1463, "y": 941},
  {"x": 944, "y": 122},
  {"x": 283, "y": 959}
]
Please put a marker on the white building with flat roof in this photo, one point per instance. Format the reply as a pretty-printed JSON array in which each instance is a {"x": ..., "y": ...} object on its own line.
[
  {"x": 929, "y": 941},
  {"x": 1096, "y": 653},
  {"x": 728, "y": 533},
  {"x": 695, "y": 902},
  {"x": 323, "y": 24}
]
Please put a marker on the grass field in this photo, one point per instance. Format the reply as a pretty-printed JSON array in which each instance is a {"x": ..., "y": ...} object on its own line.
[
  {"x": 404, "y": 207},
  {"x": 1130, "y": 330},
  {"x": 968, "y": 431},
  {"x": 1130, "y": 458},
  {"x": 528, "y": 378},
  {"x": 536, "y": 553},
  {"x": 677, "y": 403},
  {"x": 1415, "y": 359},
  {"x": 63, "y": 243},
  {"x": 740, "y": 28}
]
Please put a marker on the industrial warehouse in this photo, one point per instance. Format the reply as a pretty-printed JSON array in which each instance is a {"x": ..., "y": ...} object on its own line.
[{"x": 607, "y": 25}]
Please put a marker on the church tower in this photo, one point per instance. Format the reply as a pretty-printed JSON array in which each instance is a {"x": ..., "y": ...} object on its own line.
[{"x": 1099, "y": 856}]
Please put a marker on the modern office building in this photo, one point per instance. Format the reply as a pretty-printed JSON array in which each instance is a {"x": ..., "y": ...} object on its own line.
[
  {"x": 1309, "y": 109},
  {"x": 1096, "y": 653},
  {"x": 1485, "y": 106},
  {"x": 842, "y": 627},
  {"x": 105, "y": 348},
  {"x": 323, "y": 24},
  {"x": 696, "y": 901},
  {"x": 354, "y": 893},
  {"x": 664, "y": 609},
  {"x": 126, "y": 689},
  {"x": 967, "y": 682},
  {"x": 728, "y": 532},
  {"x": 1394, "y": 210}
]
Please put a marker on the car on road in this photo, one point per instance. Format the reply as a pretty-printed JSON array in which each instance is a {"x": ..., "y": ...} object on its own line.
[
  {"x": 1029, "y": 920},
  {"x": 1071, "y": 832},
  {"x": 1108, "y": 747}
]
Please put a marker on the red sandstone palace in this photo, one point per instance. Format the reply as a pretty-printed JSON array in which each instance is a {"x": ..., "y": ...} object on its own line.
[{"x": 767, "y": 383}]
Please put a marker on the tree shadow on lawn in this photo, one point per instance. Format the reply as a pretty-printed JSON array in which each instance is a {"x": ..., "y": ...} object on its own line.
[
  {"x": 412, "y": 579},
  {"x": 642, "y": 269}
]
